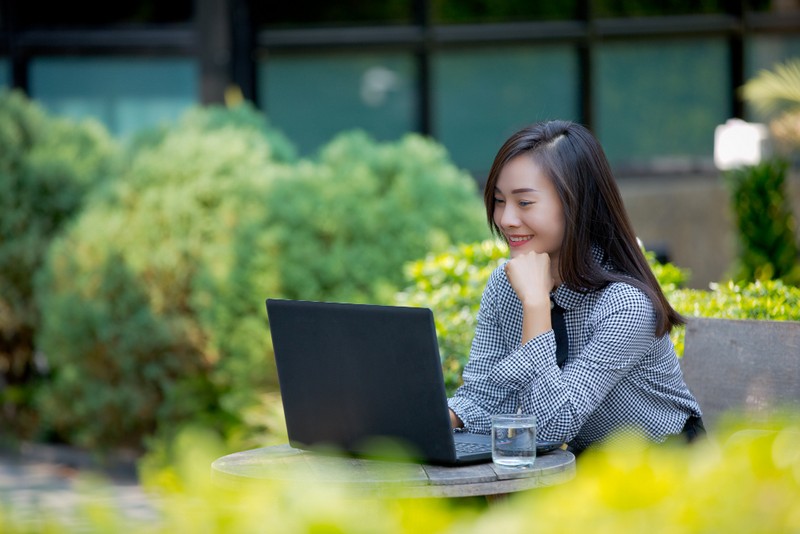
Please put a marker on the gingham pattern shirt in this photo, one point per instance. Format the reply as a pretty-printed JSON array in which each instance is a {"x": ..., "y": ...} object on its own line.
[{"x": 618, "y": 374}]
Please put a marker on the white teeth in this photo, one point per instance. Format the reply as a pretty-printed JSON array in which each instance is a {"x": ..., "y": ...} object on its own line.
[{"x": 517, "y": 239}]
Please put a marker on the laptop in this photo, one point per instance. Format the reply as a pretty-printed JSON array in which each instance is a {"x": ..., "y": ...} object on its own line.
[{"x": 356, "y": 377}]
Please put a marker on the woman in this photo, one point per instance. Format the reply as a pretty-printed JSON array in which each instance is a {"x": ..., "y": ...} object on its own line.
[{"x": 551, "y": 195}]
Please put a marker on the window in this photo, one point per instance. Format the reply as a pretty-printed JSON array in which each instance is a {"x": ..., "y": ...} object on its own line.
[
  {"x": 126, "y": 94},
  {"x": 314, "y": 97},
  {"x": 481, "y": 96},
  {"x": 658, "y": 101}
]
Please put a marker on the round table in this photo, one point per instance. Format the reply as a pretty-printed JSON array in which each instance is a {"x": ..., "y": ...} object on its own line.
[{"x": 391, "y": 479}]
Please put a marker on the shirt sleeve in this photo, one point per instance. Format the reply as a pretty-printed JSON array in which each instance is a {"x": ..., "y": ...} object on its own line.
[
  {"x": 620, "y": 331},
  {"x": 480, "y": 396}
]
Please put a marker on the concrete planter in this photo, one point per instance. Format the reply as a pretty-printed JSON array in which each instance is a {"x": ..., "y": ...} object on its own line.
[{"x": 750, "y": 366}]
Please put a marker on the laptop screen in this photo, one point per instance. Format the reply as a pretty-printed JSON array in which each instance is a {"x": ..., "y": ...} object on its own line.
[{"x": 351, "y": 373}]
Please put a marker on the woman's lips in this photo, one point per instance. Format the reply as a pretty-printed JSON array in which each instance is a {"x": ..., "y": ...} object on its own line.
[{"x": 518, "y": 240}]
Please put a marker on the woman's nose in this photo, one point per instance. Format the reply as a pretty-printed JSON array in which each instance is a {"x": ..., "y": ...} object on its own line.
[{"x": 509, "y": 218}]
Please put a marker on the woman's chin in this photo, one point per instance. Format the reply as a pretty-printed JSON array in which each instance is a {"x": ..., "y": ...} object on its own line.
[{"x": 515, "y": 252}]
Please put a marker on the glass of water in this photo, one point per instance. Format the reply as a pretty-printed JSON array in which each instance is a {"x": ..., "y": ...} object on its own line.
[{"x": 514, "y": 440}]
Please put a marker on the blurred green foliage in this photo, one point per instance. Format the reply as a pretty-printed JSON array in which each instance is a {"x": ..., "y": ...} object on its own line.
[
  {"x": 775, "y": 95},
  {"x": 738, "y": 481},
  {"x": 768, "y": 299},
  {"x": 47, "y": 168},
  {"x": 768, "y": 245},
  {"x": 344, "y": 226},
  {"x": 155, "y": 294}
]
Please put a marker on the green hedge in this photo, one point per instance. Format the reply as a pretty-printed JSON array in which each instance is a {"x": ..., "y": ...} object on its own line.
[
  {"x": 155, "y": 295},
  {"x": 47, "y": 167}
]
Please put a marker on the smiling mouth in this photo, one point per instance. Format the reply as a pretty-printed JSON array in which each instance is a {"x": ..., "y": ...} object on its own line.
[{"x": 518, "y": 240}]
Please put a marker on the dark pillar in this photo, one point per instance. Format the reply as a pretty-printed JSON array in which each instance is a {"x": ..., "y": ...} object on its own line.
[
  {"x": 17, "y": 56},
  {"x": 736, "y": 48},
  {"x": 243, "y": 43},
  {"x": 423, "y": 59},
  {"x": 213, "y": 45}
]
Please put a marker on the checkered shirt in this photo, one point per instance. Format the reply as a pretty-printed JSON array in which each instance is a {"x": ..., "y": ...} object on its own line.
[{"x": 618, "y": 374}]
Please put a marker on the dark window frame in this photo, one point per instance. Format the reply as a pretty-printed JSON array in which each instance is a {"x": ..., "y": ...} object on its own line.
[{"x": 229, "y": 26}]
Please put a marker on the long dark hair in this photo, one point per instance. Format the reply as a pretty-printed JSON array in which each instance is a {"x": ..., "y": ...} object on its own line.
[{"x": 593, "y": 210}]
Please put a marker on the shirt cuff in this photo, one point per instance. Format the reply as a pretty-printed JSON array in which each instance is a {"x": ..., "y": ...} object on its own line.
[
  {"x": 475, "y": 420},
  {"x": 518, "y": 370}
]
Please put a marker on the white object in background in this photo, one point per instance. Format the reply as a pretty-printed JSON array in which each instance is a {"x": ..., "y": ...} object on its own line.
[{"x": 738, "y": 143}]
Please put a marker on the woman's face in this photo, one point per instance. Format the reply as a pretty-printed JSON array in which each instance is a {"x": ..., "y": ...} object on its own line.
[{"x": 528, "y": 209}]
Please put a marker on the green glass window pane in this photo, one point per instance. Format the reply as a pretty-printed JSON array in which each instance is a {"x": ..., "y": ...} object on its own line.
[
  {"x": 312, "y": 98},
  {"x": 659, "y": 101},
  {"x": 124, "y": 94},
  {"x": 482, "y": 96}
]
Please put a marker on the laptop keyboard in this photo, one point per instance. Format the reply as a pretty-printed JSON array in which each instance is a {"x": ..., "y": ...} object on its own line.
[{"x": 464, "y": 447}]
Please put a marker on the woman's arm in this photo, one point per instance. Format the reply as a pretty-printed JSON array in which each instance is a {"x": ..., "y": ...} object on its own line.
[
  {"x": 531, "y": 278},
  {"x": 479, "y": 396},
  {"x": 621, "y": 330}
]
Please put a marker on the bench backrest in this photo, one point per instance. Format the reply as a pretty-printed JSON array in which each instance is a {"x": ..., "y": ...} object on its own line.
[{"x": 748, "y": 366}]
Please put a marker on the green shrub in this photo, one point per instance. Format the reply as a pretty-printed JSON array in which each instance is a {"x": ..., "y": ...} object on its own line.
[
  {"x": 157, "y": 291},
  {"x": 47, "y": 166},
  {"x": 154, "y": 296},
  {"x": 768, "y": 247},
  {"x": 770, "y": 299},
  {"x": 343, "y": 227}
]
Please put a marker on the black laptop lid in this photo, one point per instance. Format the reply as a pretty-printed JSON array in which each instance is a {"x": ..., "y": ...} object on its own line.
[{"x": 349, "y": 373}]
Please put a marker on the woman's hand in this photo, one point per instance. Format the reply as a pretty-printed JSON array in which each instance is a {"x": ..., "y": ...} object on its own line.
[
  {"x": 531, "y": 278},
  {"x": 455, "y": 422}
]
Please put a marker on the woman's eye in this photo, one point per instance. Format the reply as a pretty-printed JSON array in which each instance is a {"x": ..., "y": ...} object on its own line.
[
  {"x": 498, "y": 200},
  {"x": 525, "y": 203}
]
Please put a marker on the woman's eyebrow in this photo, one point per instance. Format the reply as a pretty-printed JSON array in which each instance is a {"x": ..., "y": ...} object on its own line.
[{"x": 517, "y": 191}]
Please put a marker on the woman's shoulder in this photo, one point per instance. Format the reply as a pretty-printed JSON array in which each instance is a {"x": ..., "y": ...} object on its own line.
[{"x": 624, "y": 295}]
